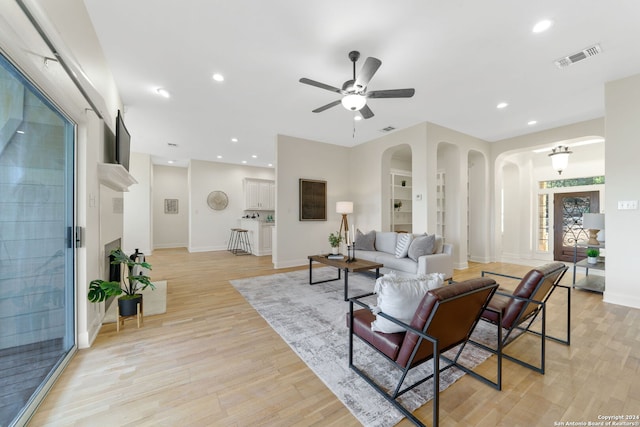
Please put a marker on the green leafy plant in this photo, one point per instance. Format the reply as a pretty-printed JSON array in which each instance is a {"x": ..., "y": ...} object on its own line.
[
  {"x": 129, "y": 284},
  {"x": 593, "y": 252},
  {"x": 335, "y": 239}
]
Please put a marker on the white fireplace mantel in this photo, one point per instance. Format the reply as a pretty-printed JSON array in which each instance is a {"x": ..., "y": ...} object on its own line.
[{"x": 115, "y": 177}]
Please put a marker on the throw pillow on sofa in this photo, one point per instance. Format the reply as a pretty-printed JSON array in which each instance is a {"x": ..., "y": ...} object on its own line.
[
  {"x": 365, "y": 242},
  {"x": 422, "y": 245},
  {"x": 399, "y": 297},
  {"x": 402, "y": 245}
]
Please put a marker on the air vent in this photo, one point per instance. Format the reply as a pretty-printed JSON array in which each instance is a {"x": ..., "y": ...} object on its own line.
[
  {"x": 578, "y": 56},
  {"x": 388, "y": 129},
  {"x": 171, "y": 144}
]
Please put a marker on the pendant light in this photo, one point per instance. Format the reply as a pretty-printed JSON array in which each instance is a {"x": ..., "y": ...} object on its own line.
[{"x": 560, "y": 158}]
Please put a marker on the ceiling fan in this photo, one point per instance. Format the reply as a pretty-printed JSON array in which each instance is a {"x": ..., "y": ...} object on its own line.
[{"x": 355, "y": 92}]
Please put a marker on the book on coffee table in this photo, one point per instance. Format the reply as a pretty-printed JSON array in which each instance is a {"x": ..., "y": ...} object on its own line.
[{"x": 336, "y": 256}]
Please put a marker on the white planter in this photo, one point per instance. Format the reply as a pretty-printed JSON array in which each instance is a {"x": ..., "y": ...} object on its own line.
[
  {"x": 335, "y": 250},
  {"x": 592, "y": 260}
]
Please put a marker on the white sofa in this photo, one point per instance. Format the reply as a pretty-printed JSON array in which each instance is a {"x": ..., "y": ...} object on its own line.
[{"x": 385, "y": 253}]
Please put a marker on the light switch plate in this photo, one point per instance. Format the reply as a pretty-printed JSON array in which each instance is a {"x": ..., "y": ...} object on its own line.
[{"x": 627, "y": 204}]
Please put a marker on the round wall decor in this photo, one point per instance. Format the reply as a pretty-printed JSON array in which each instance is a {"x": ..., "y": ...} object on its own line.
[{"x": 217, "y": 200}]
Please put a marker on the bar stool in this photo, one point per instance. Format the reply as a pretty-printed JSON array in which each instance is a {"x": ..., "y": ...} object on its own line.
[
  {"x": 232, "y": 237},
  {"x": 239, "y": 242}
]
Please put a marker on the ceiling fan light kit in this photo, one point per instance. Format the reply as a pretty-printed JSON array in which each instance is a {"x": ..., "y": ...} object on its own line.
[
  {"x": 354, "y": 92},
  {"x": 354, "y": 102}
]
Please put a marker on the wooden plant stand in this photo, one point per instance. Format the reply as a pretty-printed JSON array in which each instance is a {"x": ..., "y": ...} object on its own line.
[{"x": 139, "y": 316}]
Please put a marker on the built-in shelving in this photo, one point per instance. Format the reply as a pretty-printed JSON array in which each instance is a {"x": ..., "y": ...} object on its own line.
[{"x": 401, "y": 201}]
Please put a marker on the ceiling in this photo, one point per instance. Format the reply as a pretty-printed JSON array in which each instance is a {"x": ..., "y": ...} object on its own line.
[{"x": 462, "y": 57}]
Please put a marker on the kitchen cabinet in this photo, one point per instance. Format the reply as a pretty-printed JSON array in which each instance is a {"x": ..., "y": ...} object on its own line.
[
  {"x": 260, "y": 235},
  {"x": 259, "y": 194}
]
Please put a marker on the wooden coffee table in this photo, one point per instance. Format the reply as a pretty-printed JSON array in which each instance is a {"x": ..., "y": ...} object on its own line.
[{"x": 342, "y": 265}]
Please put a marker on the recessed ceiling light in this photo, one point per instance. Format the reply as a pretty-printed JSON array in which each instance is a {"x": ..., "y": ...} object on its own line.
[
  {"x": 542, "y": 26},
  {"x": 170, "y": 162},
  {"x": 163, "y": 92},
  {"x": 254, "y": 156},
  {"x": 532, "y": 122},
  {"x": 502, "y": 105},
  {"x": 218, "y": 77},
  {"x": 270, "y": 165},
  {"x": 234, "y": 139},
  {"x": 21, "y": 132},
  {"x": 244, "y": 162},
  {"x": 219, "y": 157}
]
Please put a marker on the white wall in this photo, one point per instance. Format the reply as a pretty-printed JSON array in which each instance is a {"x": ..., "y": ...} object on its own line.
[
  {"x": 300, "y": 158},
  {"x": 138, "y": 220},
  {"x": 479, "y": 248},
  {"x": 369, "y": 165},
  {"x": 170, "y": 230},
  {"x": 622, "y": 103},
  {"x": 209, "y": 230},
  {"x": 452, "y": 156}
]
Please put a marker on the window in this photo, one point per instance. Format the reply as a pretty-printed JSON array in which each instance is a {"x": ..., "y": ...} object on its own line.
[
  {"x": 573, "y": 182},
  {"x": 543, "y": 222}
]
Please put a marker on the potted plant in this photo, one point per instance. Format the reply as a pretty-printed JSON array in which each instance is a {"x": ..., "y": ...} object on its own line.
[
  {"x": 397, "y": 205},
  {"x": 128, "y": 286},
  {"x": 592, "y": 255},
  {"x": 334, "y": 241}
]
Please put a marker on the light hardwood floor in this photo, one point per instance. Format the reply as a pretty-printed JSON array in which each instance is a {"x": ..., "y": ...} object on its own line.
[{"x": 211, "y": 360}]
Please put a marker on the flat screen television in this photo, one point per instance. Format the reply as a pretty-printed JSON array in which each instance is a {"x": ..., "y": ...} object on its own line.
[{"x": 123, "y": 142}]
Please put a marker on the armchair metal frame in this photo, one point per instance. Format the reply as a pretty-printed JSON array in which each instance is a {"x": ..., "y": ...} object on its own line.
[
  {"x": 527, "y": 315},
  {"x": 423, "y": 337}
]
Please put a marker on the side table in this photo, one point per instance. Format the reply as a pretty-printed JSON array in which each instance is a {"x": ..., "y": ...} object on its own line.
[{"x": 594, "y": 283}]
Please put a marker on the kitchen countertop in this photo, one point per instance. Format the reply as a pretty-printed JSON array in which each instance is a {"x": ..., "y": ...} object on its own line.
[{"x": 259, "y": 220}]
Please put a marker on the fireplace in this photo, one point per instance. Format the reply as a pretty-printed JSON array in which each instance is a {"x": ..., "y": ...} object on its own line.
[{"x": 112, "y": 271}]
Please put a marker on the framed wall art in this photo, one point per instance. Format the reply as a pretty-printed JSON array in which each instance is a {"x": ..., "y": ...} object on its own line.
[
  {"x": 171, "y": 206},
  {"x": 313, "y": 200}
]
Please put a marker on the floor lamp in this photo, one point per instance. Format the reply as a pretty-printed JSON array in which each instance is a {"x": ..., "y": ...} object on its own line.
[{"x": 344, "y": 208}]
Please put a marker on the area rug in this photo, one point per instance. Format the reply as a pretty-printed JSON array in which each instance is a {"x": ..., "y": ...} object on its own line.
[
  {"x": 312, "y": 320},
  {"x": 155, "y": 302}
]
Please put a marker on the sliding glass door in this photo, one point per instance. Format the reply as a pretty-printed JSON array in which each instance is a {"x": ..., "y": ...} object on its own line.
[{"x": 37, "y": 329}]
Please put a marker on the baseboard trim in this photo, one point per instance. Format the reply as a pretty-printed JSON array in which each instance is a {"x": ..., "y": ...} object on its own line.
[{"x": 620, "y": 299}]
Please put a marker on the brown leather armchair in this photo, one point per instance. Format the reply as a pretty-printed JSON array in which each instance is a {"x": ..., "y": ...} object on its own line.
[
  {"x": 520, "y": 308},
  {"x": 445, "y": 318}
]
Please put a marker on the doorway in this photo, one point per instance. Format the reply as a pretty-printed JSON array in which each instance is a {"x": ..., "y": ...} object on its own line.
[
  {"x": 567, "y": 216},
  {"x": 37, "y": 326}
]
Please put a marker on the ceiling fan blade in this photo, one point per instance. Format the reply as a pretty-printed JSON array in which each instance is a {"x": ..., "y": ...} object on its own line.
[
  {"x": 326, "y": 107},
  {"x": 366, "y": 112},
  {"x": 391, "y": 93},
  {"x": 369, "y": 68},
  {"x": 320, "y": 85}
]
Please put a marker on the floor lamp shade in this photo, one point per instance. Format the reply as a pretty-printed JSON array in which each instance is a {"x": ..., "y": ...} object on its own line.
[
  {"x": 594, "y": 222},
  {"x": 344, "y": 207}
]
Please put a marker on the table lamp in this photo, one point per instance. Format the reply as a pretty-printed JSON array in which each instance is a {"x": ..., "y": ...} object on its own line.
[{"x": 594, "y": 222}]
